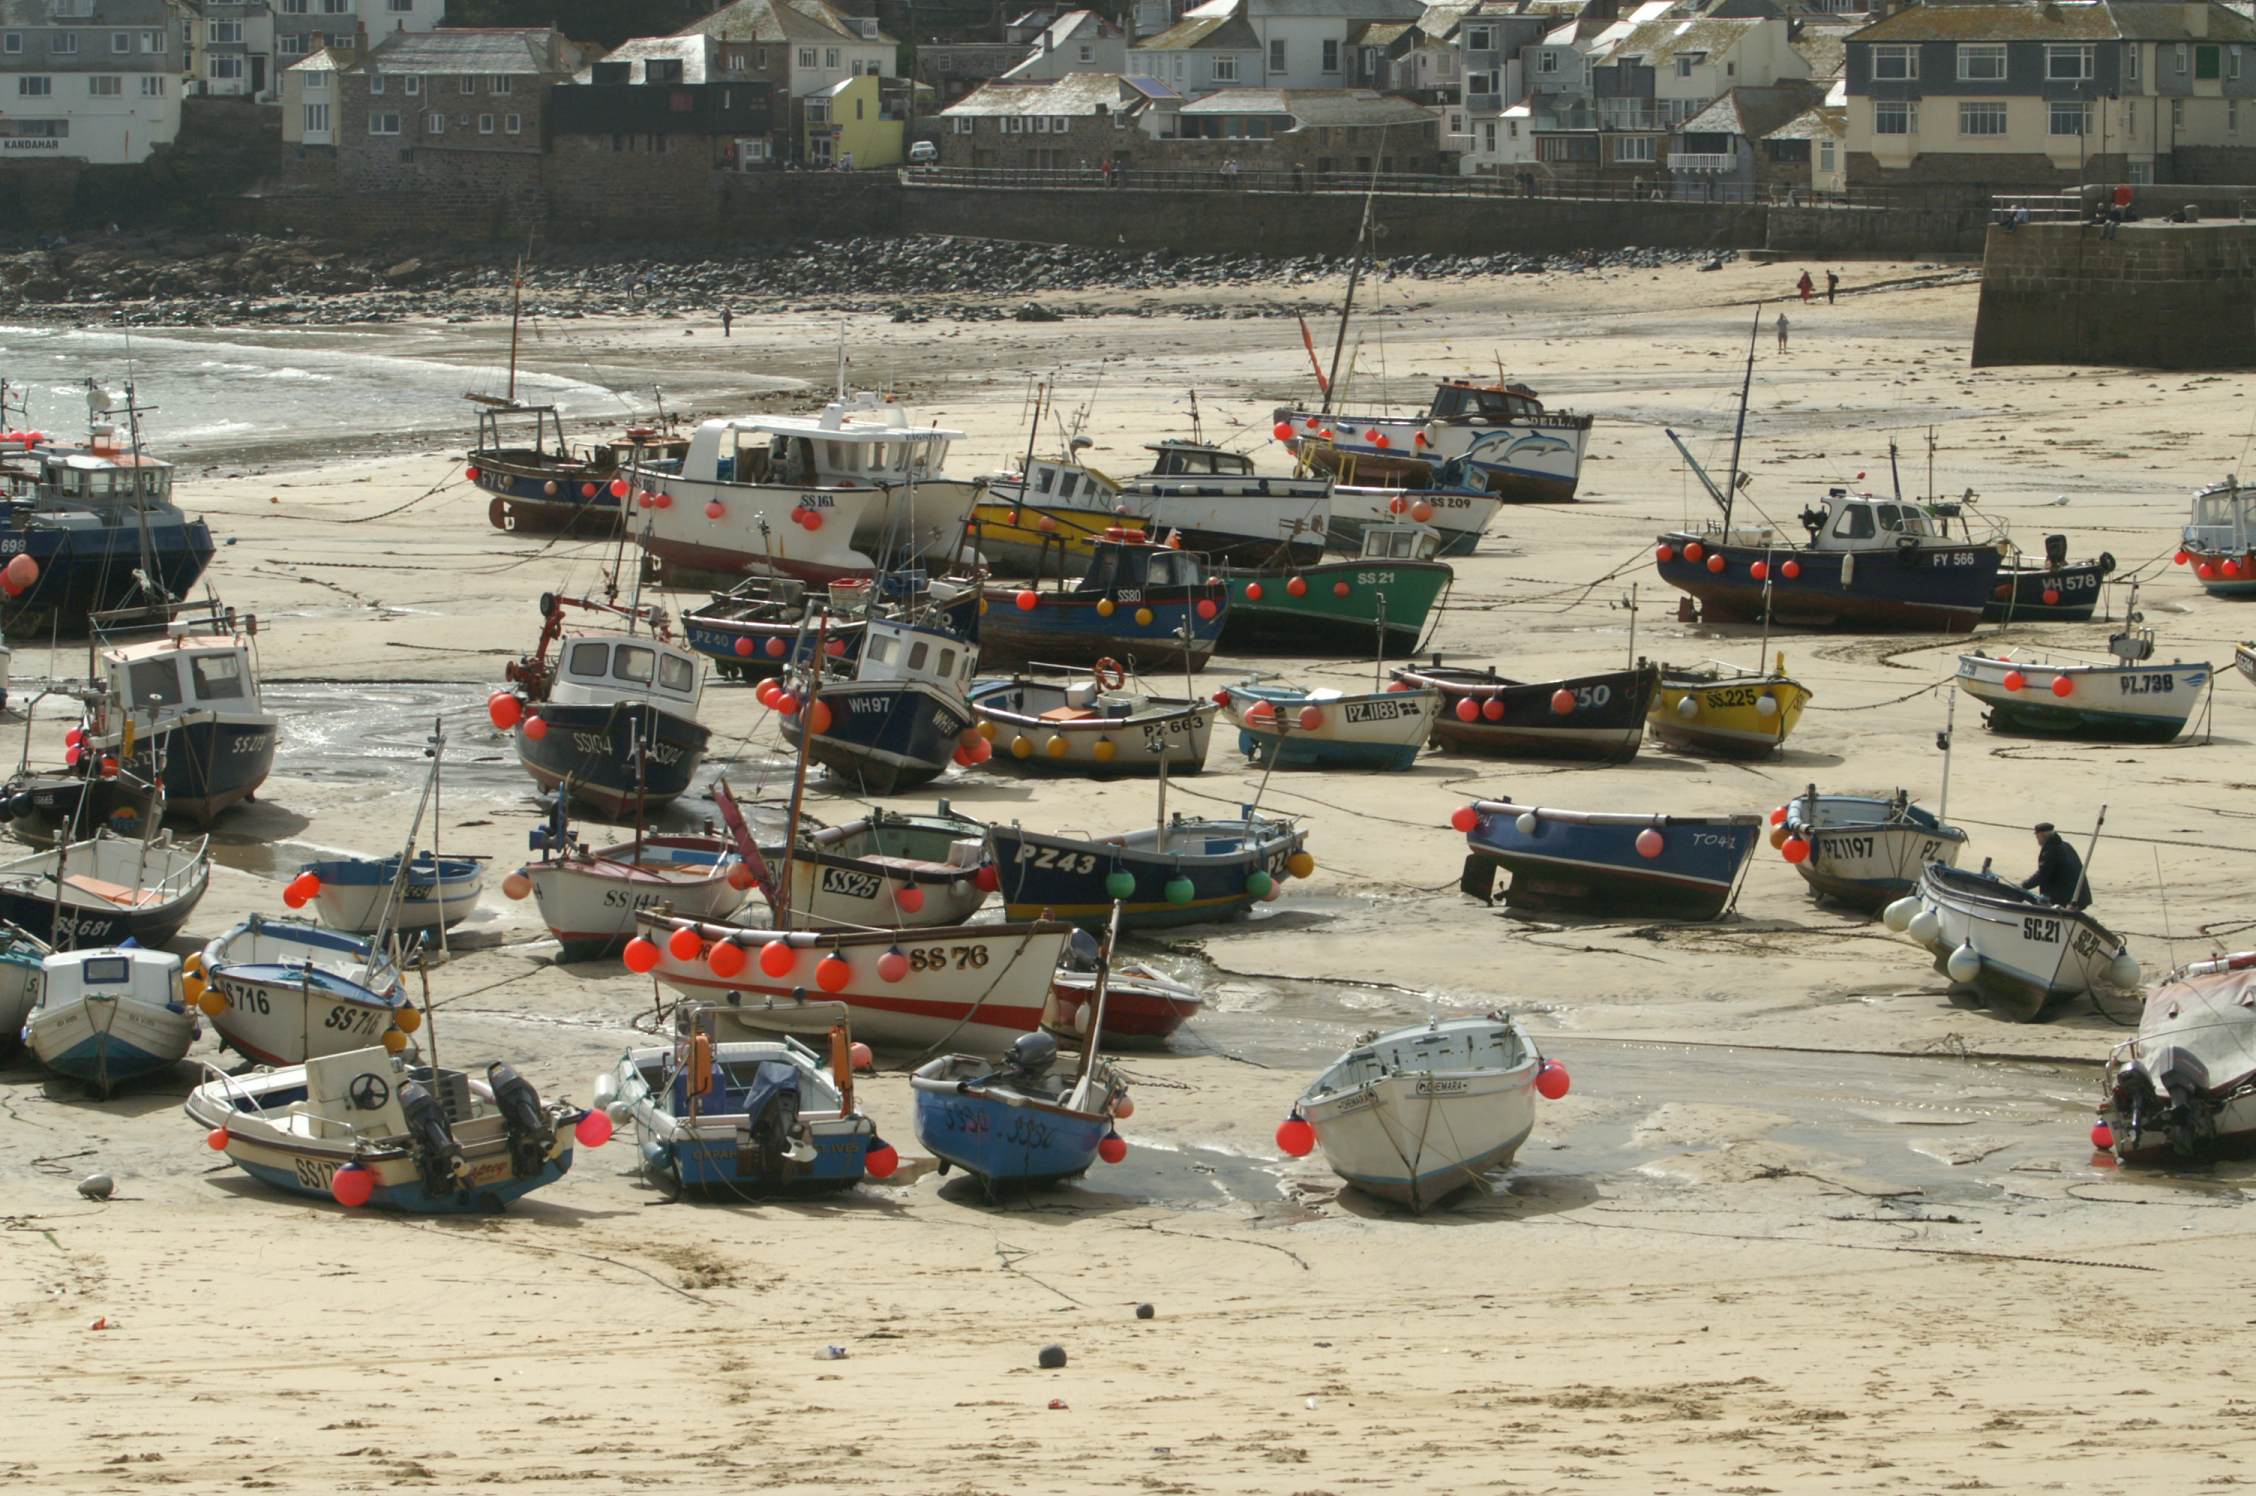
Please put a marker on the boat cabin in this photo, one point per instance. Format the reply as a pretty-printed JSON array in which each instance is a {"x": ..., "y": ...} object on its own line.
[
  {"x": 176, "y": 676},
  {"x": 2223, "y": 518},
  {"x": 1460, "y": 403},
  {"x": 1124, "y": 559},
  {"x": 1059, "y": 483},
  {"x": 543, "y": 446},
  {"x": 1867, "y": 523},
  {"x": 906, "y": 651},
  {"x": 858, "y": 443},
  {"x": 1407, "y": 542},
  {"x": 101, "y": 477},
  {"x": 145, "y": 976},
  {"x": 597, "y": 669},
  {"x": 1196, "y": 460}
]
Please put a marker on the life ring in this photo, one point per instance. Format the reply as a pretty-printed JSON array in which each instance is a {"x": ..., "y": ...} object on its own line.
[{"x": 1112, "y": 666}]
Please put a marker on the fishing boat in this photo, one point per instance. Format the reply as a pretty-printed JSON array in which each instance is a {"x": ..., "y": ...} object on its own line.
[
  {"x": 887, "y": 870},
  {"x": 1213, "y": 502},
  {"x": 2004, "y": 941},
  {"x": 1519, "y": 451},
  {"x": 95, "y": 525},
  {"x": 1457, "y": 514},
  {"x": 44, "y": 808},
  {"x": 1862, "y": 850},
  {"x": 283, "y": 991},
  {"x": 1071, "y": 722},
  {"x": 185, "y": 711},
  {"x": 542, "y": 485},
  {"x": 369, "y": 1127},
  {"x": 1020, "y": 1124},
  {"x": 1589, "y": 717},
  {"x": 2219, "y": 539},
  {"x": 2055, "y": 590},
  {"x": 438, "y": 892},
  {"x": 1602, "y": 862},
  {"x": 1419, "y": 1113},
  {"x": 589, "y": 897},
  {"x": 2244, "y": 660},
  {"x": 973, "y": 986},
  {"x": 757, "y": 627},
  {"x": 1177, "y": 872},
  {"x": 2184, "y": 1090},
  {"x": 1153, "y": 606},
  {"x": 2134, "y": 700},
  {"x": 109, "y": 1016},
  {"x": 1142, "y": 1005},
  {"x": 1041, "y": 518},
  {"x": 1725, "y": 711},
  {"x": 894, "y": 718},
  {"x": 21, "y": 959},
  {"x": 611, "y": 720},
  {"x": 1384, "y": 599},
  {"x": 1301, "y": 727},
  {"x": 749, "y": 1116},
  {"x": 106, "y": 890},
  {"x": 845, "y": 494}
]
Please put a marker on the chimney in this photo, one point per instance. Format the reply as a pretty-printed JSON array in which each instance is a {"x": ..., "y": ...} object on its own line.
[{"x": 2197, "y": 17}]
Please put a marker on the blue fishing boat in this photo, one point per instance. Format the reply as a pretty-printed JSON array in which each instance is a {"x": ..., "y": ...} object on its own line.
[
  {"x": 899, "y": 718},
  {"x": 760, "y": 627},
  {"x": 1595, "y": 862},
  {"x": 540, "y": 485},
  {"x": 97, "y": 523},
  {"x": 1295, "y": 727},
  {"x": 745, "y": 1115},
  {"x": 1020, "y": 1123},
  {"x": 184, "y": 711},
  {"x": 355, "y": 892},
  {"x": 109, "y": 1016},
  {"x": 1182, "y": 872},
  {"x": 1153, "y": 607},
  {"x": 611, "y": 720}
]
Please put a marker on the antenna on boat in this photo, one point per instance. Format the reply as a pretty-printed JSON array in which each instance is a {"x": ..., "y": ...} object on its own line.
[
  {"x": 1630, "y": 603},
  {"x": 516, "y": 310},
  {"x": 1739, "y": 431},
  {"x": 799, "y": 775},
  {"x": 842, "y": 362}
]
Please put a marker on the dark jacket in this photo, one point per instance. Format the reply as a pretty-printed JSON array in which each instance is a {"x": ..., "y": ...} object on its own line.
[{"x": 2059, "y": 876}]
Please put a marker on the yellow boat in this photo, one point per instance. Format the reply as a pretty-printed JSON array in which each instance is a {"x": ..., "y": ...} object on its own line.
[
  {"x": 1043, "y": 528},
  {"x": 1729, "y": 713}
]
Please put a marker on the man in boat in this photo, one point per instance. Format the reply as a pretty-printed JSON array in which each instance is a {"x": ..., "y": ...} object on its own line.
[{"x": 2059, "y": 878}]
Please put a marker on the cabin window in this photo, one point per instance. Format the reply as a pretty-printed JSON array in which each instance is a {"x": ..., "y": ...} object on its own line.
[
  {"x": 106, "y": 971},
  {"x": 834, "y": 454},
  {"x": 676, "y": 673},
  {"x": 633, "y": 662},
  {"x": 881, "y": 649},
  {"x": 589, "y": 659},
  {"x": 1162, "y": 571},
  {"x": 1067, "y": 483},
  {"x": 1399, "y": 546},
  {"x": 69, "y": 480},
  {"x": 154, "y": 678},
  {"x": 218, "y": 677},
  {"x": 947, "y": 662},
  {"x": 1855, "y": 523},
  {"x": 1042, "y": 480},
  {"x": 1891, "y": 518},
  {"x": 917, "y": 654}
]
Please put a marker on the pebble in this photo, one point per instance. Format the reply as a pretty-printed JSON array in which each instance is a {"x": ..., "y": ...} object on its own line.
[
  {"x": 97, "y": 1186},
  {"x": 1051, "y": 1358}
]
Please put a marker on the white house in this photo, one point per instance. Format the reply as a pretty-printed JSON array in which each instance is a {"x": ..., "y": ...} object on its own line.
[
  {"x": 104, "y": 92},
  {"x": 309, "y": 98},
  {"x": 1080, "y": 41},
  {"x": 1291, "y": 44},
  {"x": 804, "y": 45}
]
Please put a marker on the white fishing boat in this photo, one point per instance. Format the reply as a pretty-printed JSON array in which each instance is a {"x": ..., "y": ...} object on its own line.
[
  {"x": 356, "y": 892},
  {"x": 110, "y": 1016},
  {"x": 889, "y": 871},
  {"x": 1419, "y": 1113},
  {"x": 1862, "y": 850},
  {"x": 1458, "y": 516},
  {"x": 2184, "y": 1090},
  {"x": 185, "y": 711},
  {"x": 975, "y": 987},
  {"x": 372, "y": 1127},
  {"x": 2019, "y": 952},
  {"x": 1216, "y": 504},
  {"x": 589, "y": 898},
  {"x": 20, "y": 961},
  {"x": 837, "y": 495},
  {"x": 285, "y": 991},
  {"x": 1068, "y": 722},
  {"x": 1321, "y": 727},
  {"x": 2134, "y": 700},
  {"x": 106, "y": 890},
  {"x": 1499, "y": 432}
]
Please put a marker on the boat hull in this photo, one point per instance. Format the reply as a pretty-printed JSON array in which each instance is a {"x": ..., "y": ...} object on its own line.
[
  {"x": 552, "y": 497},
  {"x": 86, "y": 569},
  {"x": 2143, "y": 703},
  {"x": 287, "y": 998},
  {"x": 1176, "y": 732},
  {"x": 589, "y": 903},
  {"x": 1942, "y": 589},
  {"x": 2020, "y": 593},
  {"x": 211, "y": 760},
  {"x": 2032, "y": 953},
  {"x": 884, "y": 737},
  {"x": 1604, "y": 721},
  {"x": 1460, "y": 519},
  {"x": 1141, "y": 1008},
  {"x": 1597, "y": 869},
  {"x": 157, "y": 889},
  {"x": 1530, "y": 460},
  {"x": 1379, "y": 731},
  {"x": 1346, "y": 607},
  {"x": 1017, "y": 542},
  {"x": 589, "y": 751},
  {"x": 1071, "y": 628},
  {"x": 51, "y": 808},
  {"x": 107, "y": 1041},
  {"x": 1724, "y": 718},
  {"x": 354, "y": 892},
  {"x": 1867, "y": 853},
  {"x": 2179, "y": 1091},
  {"x": 1000, "y": 1136},
  {"x": 1065, "y": 877}
]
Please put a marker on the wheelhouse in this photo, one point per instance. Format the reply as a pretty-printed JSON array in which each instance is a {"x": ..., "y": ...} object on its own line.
[
  {"x": 1411, "y": 542},
  {"x": 1462, "y": 404},
  {"x": 595, "y": 669},
  {"x": 1868, "y": 523},
  {"x": 1119, "y": 564},
  {"x": 862, "y": 443},
  {"x": 1197, "y": 460},
  {"x": 903, "y": 651}
]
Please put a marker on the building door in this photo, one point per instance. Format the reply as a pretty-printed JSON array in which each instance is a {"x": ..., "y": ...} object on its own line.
[{"x": 258, "y": 74}]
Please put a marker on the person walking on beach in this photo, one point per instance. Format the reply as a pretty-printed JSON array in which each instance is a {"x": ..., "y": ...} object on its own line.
[
  {"x": 1805, "y": 285},
  {"x": 1781, "y": 332},
  {"x": 727, "y": 317},
  {"x": 1832, "y": 284},
  {"x": 2059, "y": 878}
]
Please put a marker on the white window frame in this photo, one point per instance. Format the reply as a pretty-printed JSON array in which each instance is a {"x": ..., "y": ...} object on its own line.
[
  {"x": 1277, "y": 55},
  {"x": 830, "y": 59},
  {"x": 2181, "y": 57},
  {"x": 96, "y": 90},
  {"x": 2177, "y": 114},
  {"x": 1984, "y": 112},
  {"x": 2077, "y": 55},
  {"x": 434, "y": 123},
  {"x": 12, "y": 44},
  {"x": 513, "y": 124},
  {"x": 1088, "y": 53},
  {"x": 1328, "y": 58},
  {"x": 121, "y": 43},
  {"x": 960, "y": 125},
  {"x": 2131, "y": 62},
  {"x": 1905, "y": 55},
  {"x": 229, "y": 67},
  {"x": 1991, "y": 54},
  {"x": 2053, "y": 111},
  {"x": 485, "y": 124},
  {"x": 317, "y": 119},
  {"x": 412, "y": 85},
  {"x": 223, "y": 33},
  {"x": 1910, "y": 116},
  {"x": 497, "y": 83},
  {"x": 376, "y": 86},
  {"x": 1225, "y": 70},
  {"x": 292, "y": 45},
  {"x": 152, "y": 85},
  {"x": 66, "y": 43},
  {"x": 1478, "y": 39},
  {"x": 806, "y": 57},
  {"x": 466, "y": 84},
  {"x": 1637, "y": 149},
  {"x": 317, "y": 82}
]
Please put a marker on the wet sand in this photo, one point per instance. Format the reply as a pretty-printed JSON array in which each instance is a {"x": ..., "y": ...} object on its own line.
[{"x": 1804, "y": 1223}]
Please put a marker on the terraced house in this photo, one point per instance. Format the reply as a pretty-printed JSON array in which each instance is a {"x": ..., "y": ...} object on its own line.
[
  {"x": 2054, "y": 94},
  {"x": 92, "y": 80}
]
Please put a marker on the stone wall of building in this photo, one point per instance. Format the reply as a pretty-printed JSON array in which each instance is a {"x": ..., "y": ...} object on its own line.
[{"x": 2156, "y": 296}]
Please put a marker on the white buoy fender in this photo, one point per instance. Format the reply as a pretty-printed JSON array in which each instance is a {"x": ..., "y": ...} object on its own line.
[
  {"x": 1964, "y": 965},
  {"x": 1926, "y": 927},
  {"x": 2123, "y": 971},
  {"x": 1688, "y": 707},
  {"x": 606, "y": 1091},
  {"x": 1897, "y": 916}
]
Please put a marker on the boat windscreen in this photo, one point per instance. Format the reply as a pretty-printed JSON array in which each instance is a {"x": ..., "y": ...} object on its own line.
[{"x": 158, "y": 679}]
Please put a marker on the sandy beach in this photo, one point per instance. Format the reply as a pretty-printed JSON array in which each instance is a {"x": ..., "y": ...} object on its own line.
[{"x": 1804, "y": 1223}]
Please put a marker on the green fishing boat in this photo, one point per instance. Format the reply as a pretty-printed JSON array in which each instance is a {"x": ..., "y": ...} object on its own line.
[{"x": 1387, "y": 597}]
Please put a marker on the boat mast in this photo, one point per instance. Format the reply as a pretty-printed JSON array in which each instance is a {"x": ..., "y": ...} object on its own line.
[
  {"x": 799, "y": 774},
  {"x": 1026, "y": 468},
  {"x": 1095, "y": 1031},
  {"x": 1354, "y": 274},
  {"x": 1739, "y": 432},
  {"x": 1943, "y": 741},
  {"x": 516, "y": 308}
]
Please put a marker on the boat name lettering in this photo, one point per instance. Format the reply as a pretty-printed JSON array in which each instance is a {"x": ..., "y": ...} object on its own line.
[
  {"x": 243, "y": 999},
  {"x": 867, "y": 704},
  {"x": 1928, "y": 852},
  {"x": 1587, "y": 697},
  {"x": 1966, "y": 667},
  {"x": 957, "y": 1117},
  {"x": 817, "y": 501},
  {"x": 2046, "y": 931},
  {"x": 2086, "y": 943},
  {"x": 1710, "y": 839},
  {"x": 620, "y": 898},
  {"x": 2146, "y": 685},
  {"x": 420, "y": 890},
  {"x": 1374, "y": 579},
  {"x": 1059, "y": 858},
  {"x": 852, "y": 885},
  {"x": 1157, "y": 732},
  {"x": 1353, "y": 1103},
  {"x": 1029, "y": 1131},
  {"x": 1429, "y": 1085},
  {"x": 314, "y": 1173},
  {"x": 1732, "y": 696},
  {"x": 936, "y": 957},
  {"x": 1129, "y": 595},
  {"x": 1382, "y": 711},
  {"x": 1844, "y": 846},
  {"x": 247, "y": 743},
  {"x": 360, "y": 1023},
  {"x": 1955, "y": 558},
  {"x": 2074, "y": 581}
]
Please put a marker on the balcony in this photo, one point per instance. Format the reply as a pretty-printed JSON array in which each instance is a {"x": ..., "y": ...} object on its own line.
[
  {"x": 1485, "y": 103},
  {"x": 1703, "y": 161}
]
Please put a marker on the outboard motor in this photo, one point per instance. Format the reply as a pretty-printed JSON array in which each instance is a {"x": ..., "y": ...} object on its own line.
[
  {"x": 438, "y": 1157},
  {"x": 1081, "y": 951},
  {"x": 775, "y": 1094},
  {"x": 2056, "y": 552},
  {"x": 1030, "y": 1058},
  {"x": 531, "y": 1139}
]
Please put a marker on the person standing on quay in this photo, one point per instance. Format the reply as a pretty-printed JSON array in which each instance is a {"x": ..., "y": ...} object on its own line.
[
  {"x": 1782, "y": 332},
  {"x": 1832, "y": 284},
  {"x": 727, "y": 317}
]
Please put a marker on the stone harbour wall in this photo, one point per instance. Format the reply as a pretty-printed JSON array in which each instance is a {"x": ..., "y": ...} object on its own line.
[{"x": 2155, "y": 296}]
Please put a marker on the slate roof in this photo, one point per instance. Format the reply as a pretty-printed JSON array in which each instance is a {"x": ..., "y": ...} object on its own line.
[
  {"x": 779, "y": 21},
  {"x": 1075, "y": 93},
  {"x": 2062, "y": 21},
  {"x": 466, "y": 51}
]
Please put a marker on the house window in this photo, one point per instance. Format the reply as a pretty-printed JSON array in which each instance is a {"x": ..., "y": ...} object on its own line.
[
  {"x": 12, "y": 43},
  {"x": 383, "y": 124},
  {"x": 2131, "y": 62},
  {"x": 1895, "y": 117},
  {"x": 412, "y": 86},
  {"x": 227, "y": 67},
  {"x": 66, "y": 43},
  {"x": 2232, "y": 65},
  {"x": 317, "y": 119},
  {"x": 1456, "y": 124},
  {"x": 1041, "y": 124},
  {"x": 1489, "y": 137},
  {"x": 1685, "y": 60},
  {"x": 2068, "y": 62},
  {"x": 818, "y": 111},
  {"x": 1983, "y": 63},
  {"x": 104, "y": 86},
  {"x": 1088, "y": 53},
  {"x": 317, "y": 83},
  {"x": 1825, "y": 155},
  {"x": 1480, "y": 83},
  {"x": 1982, "y": 117},
  {"x": 1331, "y": 57},
  {"x": 513, "y": 124},
  {"x": 485, "y": 124},
  {"x": 1059, "y": 124},
  {"x": 290, "y": 46},
  {"x": 2208, "y": 62},
  {"x": 1633, "y": 148},
  {"x": 376, "y": 84},
  {"x": 466, "y": 85},
  {"x": 1547, "y": 62},
  {"x": 830, "y": 57},
  {"x": 2177, "y": 114},
  {"x": 399, "y": 7},
  {"x": 806, "y": 57},
  {"x": 153, "y": 86},
  {"x": 736, "y": 62},
  {"x": 961, "y": 125},
  {"x": 219, "y": 32},
  {"x": 434, "y": 124},
  {"x": 944, "y": 63},
  {"x": 1277, "y": 55},
  {"x": 121, "y": 42},
  {"x": 1478, "y": 39},
  {"x": 2067, "y": 117},
  {"x": 498, "y": 83},
  {"x": 1225, "y": 70},
  {"x": 760, "y": 60},
  {"x": 2181, "y": 50},
  {"x": 1895, "y": 62}
]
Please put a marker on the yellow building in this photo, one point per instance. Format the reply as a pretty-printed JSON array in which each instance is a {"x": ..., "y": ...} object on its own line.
[{"x": 857, "y": 124}]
